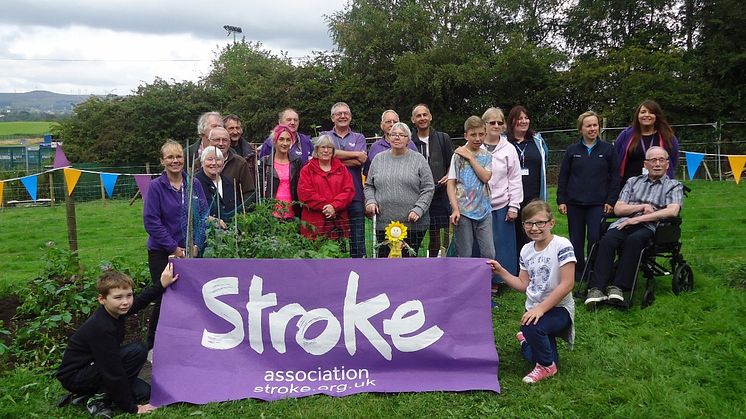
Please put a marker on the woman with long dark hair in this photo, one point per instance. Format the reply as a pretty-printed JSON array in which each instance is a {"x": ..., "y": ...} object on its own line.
[
  {"x": 533, "y": 156},
  {"x": 649, "y": 127}
]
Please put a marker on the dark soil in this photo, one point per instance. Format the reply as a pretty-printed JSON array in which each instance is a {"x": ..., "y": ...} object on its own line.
[{"x": 8, "y": 307}]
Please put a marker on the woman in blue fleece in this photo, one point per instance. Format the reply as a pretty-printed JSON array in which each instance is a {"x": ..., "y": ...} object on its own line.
[{"x": 588, "y": 186}]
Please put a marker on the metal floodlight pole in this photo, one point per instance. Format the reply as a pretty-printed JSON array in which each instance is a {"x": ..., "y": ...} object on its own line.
[{"x": 233, "y": 30}]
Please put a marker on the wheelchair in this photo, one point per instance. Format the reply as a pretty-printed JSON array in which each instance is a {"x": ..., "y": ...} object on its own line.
[{"x": 665, "y": 244}]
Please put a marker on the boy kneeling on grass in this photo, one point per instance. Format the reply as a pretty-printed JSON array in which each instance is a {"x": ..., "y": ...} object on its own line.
[{"x": 95, "y": 367}]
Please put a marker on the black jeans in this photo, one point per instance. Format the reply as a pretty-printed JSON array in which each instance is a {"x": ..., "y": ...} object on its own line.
[
  {"x": 629, "y": 241},
  {"x": 88, "y": 379},
  {"x": 157, "y": 261}
]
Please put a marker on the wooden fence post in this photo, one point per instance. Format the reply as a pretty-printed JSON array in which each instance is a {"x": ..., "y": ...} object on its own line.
[{"x": 72, "y": 223}]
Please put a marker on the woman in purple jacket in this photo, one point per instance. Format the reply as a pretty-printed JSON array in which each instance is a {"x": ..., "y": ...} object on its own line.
[
  {"x": 165, "y": 216},
  {"x": 649, "y": 127}
]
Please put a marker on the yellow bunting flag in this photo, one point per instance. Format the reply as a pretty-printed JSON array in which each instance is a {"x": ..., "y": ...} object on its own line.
[
  {"x": 71, "y": 178},
  {"x": 737, "y": 163},
  {"x": 2, "y": 185}
]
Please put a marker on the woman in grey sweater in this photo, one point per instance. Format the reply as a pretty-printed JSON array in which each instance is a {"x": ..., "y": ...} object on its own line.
[{"x": 399, "y": 187}]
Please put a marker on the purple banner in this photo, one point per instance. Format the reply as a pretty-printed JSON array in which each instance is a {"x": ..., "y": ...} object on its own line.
[{"x": 270, "y": 329}]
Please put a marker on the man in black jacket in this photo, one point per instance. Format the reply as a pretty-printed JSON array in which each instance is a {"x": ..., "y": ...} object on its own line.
[
  {"x": 437, "y": 148},
  {"x": 94, "y": 362}
]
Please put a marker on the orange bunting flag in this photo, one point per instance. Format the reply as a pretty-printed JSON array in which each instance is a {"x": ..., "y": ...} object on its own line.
[
  {"x": 71, "y": 179},
  {"x": 2, "y": 185},
  {"x": 737, "y": 163}
]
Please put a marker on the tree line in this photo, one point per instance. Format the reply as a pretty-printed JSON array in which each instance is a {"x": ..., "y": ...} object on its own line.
[{"x": 460, "y": 57}]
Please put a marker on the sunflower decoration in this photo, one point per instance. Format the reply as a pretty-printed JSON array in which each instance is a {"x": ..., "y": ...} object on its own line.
[{"x": 396, "y": 232}]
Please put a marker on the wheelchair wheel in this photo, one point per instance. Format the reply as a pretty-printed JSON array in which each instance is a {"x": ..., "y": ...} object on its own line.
[
  {"x": 647, "y": 298},
  {"x": 683, "y": 278}
]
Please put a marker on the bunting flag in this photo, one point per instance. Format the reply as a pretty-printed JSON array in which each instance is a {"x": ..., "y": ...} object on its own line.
[
  {"x": 71, "y": 179},
  {"x": 60, "y": 160},
  {"x": 109, "y": 180},
  {"x": 693, "y": 160},
  {"x": 30, "y": 183},
  {"x": 2, "y": 185},
  {"x": 737, "y": 163},
  {"x": 143, "y": 183}
]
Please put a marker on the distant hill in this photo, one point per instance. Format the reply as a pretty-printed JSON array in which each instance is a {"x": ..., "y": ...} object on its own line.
[{"x": 39, "y": 101}]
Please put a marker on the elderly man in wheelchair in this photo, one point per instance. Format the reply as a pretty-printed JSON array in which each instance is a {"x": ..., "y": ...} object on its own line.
[{"x": 644, "y": 201}]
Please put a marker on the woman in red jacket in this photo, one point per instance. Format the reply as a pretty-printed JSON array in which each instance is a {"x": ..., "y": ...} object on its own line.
[{"x": 325, "y": 189}]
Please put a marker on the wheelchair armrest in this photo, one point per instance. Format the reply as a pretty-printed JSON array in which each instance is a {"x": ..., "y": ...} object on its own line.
[{"x": 606, "y": 221}]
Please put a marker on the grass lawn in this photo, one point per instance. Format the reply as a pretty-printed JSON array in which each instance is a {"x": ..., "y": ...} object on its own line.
[
  {"x": 25, "y": 127},
  {"x": 684, "y": 356},
  {"x": 105, "y": 230}
]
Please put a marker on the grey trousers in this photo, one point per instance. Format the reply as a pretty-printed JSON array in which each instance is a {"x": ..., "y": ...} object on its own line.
[{"x": 468, "y": 230}]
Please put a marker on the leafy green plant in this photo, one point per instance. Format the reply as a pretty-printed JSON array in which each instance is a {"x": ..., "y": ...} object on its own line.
[
  {"x": 4, "y": 333},
  {"x": 57, "y": 300},
  {"x": 259, "y": 234}
]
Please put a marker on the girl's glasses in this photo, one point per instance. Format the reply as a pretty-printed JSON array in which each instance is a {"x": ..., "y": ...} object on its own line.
[{"x": 528, "y": 225}]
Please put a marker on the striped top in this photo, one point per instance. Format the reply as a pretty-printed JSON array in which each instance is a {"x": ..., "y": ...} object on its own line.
[{"x": 659, "y": 193}]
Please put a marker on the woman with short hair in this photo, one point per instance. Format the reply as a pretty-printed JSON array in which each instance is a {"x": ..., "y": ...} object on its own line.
[
  {"x": 172, "y": 197},
  {"x": 218, "y": 189},
  {"x": 506, "y": 189},
  {"x": 279, "y": 173},
  {"x": 325, "y": 189},
  {"x": 399, "y": 187}
]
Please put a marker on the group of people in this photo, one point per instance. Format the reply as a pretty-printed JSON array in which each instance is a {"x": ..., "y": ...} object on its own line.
[{"x": 492, "y": 191}]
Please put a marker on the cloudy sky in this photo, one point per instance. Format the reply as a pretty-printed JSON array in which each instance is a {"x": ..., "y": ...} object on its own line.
[{"x": 112, "y": 46}]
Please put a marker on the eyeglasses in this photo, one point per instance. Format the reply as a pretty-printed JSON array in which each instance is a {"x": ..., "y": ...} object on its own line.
[
  {"x": 398, "y": 135},
  {"x": 654, "y": 160},
  {"x": 528, "y": 225},
  {"x": 220, "y": 140},
  {"x": 501, "y": 123},
  {"x": 342, "y": 113}
]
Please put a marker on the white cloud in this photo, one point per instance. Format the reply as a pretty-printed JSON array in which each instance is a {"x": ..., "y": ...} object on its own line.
[{"x": 49, "y": 45}]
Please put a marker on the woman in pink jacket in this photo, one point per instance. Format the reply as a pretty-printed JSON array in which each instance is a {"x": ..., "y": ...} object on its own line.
[{"x": 506, "y": 189}]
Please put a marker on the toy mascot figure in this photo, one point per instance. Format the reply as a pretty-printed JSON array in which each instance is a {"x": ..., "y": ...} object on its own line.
[{"x": 396, "y": 232}]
